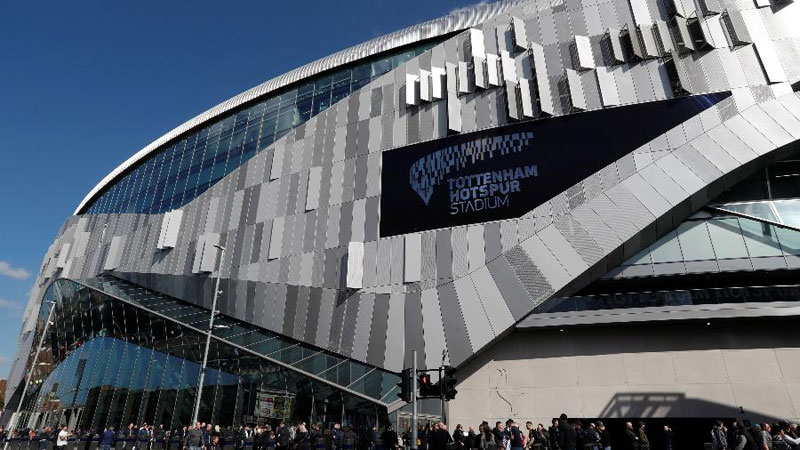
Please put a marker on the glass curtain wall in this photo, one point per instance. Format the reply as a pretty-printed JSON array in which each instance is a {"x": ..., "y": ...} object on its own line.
[
  {"x": 107, "y": 362},
  {"x": 713, "y": 241},
  {"x": 184, "y": 169}
]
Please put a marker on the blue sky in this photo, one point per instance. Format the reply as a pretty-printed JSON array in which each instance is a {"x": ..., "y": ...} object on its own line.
[{"x": 84, "y": 85}]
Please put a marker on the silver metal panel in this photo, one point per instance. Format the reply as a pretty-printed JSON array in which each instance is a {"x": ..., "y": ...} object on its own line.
[
  {"x": 509, "y": 66},
  {"x": 684, "y": 8},
  {"x": 474, "y": 315},
  {"x": 641, "y": 13},
  {"x": 476, "y": 41},
  {"x": 714, "y": 153},
  {"x": 451, "y": 78},
  {"x": 732, "y": 144},
  {"x": 276, "y": 238},
  {"x": 564, "y": 252},
  {"x": 412, "y": 268},
  {"x": 617, "y": 50},
  {"x": 170, "y": 238},
  {"x": 412, "y": 89},
  {"x": 520, "y": 33},
  {"x": 395, "y": 331},
  {"x": 499, "y": 315},
  {"x": 652, "y": 200},
  {"x": 355, "y": 265},
  {"x": 438, "y": 85},
  {"x": 651, "y": 48},
  {"x": 208, "y": 261},
  {"x": 466, "y": 80},
  {"x": 767, "y": 126},
  {"x": 608, "y": 87},
  {"x": 63, "y": 254},
  {"x": 479, "y": 64},
  {"x": 163, "y": 232},
  {"x": 453, "y": 113},
  {"x": 492, "y": 69},
  {"x": 545, "y": 261},
  {"x": 770, "y": 62},
  {"x": 576, "y": 93},
  {"x": 545, "y": 92},
  {"x": 664, "y": 184},
  {"x": 425, "y": 85},
  {"x": 679, "y": 172},
  {"x": 513, "y": 100},
  {"x": 583, "y": 47},
  {"x": 277, "y": 162},
  {"x": 781, "y": 115},
  {"x": 528, "y": 97},
  {"x": 432, "y": 328},
  {"x": 312, "y": 191},
  {"x": 475, "y": 247},
  {"x": 114, "y": 253}
]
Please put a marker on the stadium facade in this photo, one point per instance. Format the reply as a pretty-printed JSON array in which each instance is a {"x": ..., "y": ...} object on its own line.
[{"x": 587, "y": 207}]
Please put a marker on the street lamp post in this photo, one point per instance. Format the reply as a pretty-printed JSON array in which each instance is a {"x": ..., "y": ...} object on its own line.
[
  {"x": 208, "y": 336},
  {"x": 13, "y": 422}
]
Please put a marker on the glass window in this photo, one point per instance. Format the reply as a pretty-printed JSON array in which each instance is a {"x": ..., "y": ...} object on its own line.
[
  {"x": 666, "y": 249},
  {"x": 695, "y": 241},
  {"x": 760, "y": 238},
  {"x": 173, "y": 176},
  {"x": 381, "y": 66},
  {"x": 726, "y": 237},
  {"x": 789, "y": 239}
]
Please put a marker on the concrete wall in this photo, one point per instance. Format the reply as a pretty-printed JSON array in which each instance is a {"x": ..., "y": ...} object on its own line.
[{"x": 665, "y": 370}]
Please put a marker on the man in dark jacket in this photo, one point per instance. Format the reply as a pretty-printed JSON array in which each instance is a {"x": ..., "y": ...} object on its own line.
[
  {"x": 555, "y": 436},
  {"x": 282, "y": 437},
  {"x": 499, "y": 433},
  {"x": 440, "y": 438},
  {"x": 108, "y": 438},
  {"x": 631, "y": 440},
  {"x": 568, "y": 436},
  {"x": 194, "y": 438},
  {"x": 389, "y": 438}
]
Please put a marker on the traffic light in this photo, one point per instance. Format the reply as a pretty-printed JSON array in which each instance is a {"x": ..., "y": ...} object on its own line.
[
  {"x": 405, "y": 384},
  {"x": 448, "y": 382},
  {"x": 426, "y": 387}
]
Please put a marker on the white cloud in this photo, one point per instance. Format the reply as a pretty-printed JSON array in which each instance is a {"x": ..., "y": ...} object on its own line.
[
  {"x": 17, "y": 273},
  {"x": 4, "y": 360},
  {"x": 10, "y": 305}
]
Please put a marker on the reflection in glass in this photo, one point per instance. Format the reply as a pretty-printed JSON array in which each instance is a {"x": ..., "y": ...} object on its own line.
[{"x": 114, "y": 362}]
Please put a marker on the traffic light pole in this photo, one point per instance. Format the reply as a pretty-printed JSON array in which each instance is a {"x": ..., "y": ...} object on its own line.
[
  {"x": 414, "y": 401},
  {"x": 442, "y": 393}
]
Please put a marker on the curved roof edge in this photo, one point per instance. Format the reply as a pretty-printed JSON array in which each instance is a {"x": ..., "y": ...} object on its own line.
[{"x": 458, "y": 20}]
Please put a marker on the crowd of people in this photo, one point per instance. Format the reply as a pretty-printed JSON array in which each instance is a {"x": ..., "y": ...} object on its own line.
[
  {"x": 201, "y": 436},
  {"x": 764, "y": 436},
  {"x": 561, "y": 434},
  {"x": 566, "y": 434}
]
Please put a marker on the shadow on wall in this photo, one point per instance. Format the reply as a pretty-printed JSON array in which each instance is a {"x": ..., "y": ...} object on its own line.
[
  {"x": 655, "y": 410},
  {"x": 647, "y": 405}
]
